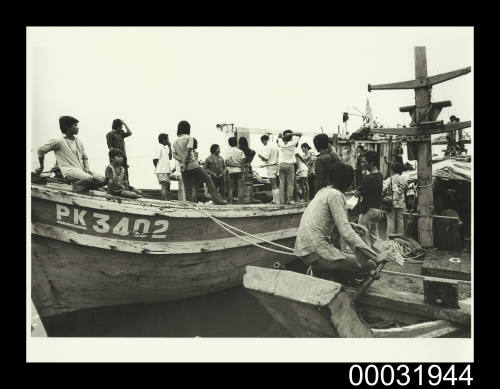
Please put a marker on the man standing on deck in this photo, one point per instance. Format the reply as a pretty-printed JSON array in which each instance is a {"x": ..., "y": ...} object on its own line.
[
  {"x": 370, "y": 194},
  {"x": 270, "y": 156},
  {"x": 116, "y": 139},
  {"x": 287, "y": 142},
  {"x": 216, "y": 168},
  {"x": 71, "y": 157},
  {"x": 192, "y": 173}
]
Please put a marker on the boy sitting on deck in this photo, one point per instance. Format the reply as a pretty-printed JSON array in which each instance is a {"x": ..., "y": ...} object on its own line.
[{"x": 117, "y": 179}]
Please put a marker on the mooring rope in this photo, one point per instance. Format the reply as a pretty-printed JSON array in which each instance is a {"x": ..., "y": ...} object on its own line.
[{"x": 227, "y": 227}]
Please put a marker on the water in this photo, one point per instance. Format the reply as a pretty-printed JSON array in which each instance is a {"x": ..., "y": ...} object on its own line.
[{"x": 230, "y": 313}]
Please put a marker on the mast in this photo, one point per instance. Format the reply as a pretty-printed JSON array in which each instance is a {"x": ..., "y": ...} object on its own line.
[{"x": 424, "y": 114}]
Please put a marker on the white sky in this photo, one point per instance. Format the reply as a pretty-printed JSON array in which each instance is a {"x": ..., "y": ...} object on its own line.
[
  {"x": 297, "y": 78},
  {"x": 300, "y": 78}
]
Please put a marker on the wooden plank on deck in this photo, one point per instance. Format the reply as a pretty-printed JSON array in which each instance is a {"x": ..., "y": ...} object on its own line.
[
  {"x": 445, "y": 268},
  {"x": 304, "y": 305}
]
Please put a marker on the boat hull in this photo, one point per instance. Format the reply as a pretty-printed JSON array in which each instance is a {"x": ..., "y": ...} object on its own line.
[
  {"x": 89, "y": 252},
  {"x": 68, "y": 277}
]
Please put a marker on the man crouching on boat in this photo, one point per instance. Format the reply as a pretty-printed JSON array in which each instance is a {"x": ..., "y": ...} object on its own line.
[
  {"x": 326, "y": 216},
  {"x": 71, "y": 157}
]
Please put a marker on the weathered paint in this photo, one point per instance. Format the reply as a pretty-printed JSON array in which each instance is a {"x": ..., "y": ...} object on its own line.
[{"x": 88, "y": 251}]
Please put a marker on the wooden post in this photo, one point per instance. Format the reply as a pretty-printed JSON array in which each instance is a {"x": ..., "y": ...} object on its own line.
[
  {"x": 424, "y": 157},
  {"x": 423, "y": 124}
]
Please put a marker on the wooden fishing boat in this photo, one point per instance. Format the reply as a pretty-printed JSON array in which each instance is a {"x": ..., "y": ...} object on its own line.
[
  {"x": 89, "y": 250},
  {"x": 314, "y": 307}
]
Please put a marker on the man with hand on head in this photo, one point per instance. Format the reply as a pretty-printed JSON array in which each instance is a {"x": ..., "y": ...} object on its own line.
[
  {"x": 287, "y": 142},
  {"x": 116, "y": 139}
]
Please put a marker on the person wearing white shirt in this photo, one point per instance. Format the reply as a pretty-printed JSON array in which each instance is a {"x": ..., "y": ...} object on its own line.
[
  {"x": 234, "y": 162},
  {"x": 287, "y": 142},
  {"x": 270, "y": 156},
  {"x": 161, "y": 161},
  {"x": 71, "y": 158},
  {"x": 302, "y": 172}
]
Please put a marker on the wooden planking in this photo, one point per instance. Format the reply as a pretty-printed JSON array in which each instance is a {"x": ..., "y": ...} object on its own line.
[
  {"x": 431, "y": 329},
  {"x": 157, "y": 248},
  {"x": 306, "y": 306},
  {"x": 424, "y": 128},
  {"x": 300, "y": 303},
  {"x": 440, "y": 104},
  {"x": 153, "y": 207},
  {"x": 421, "y": 80},
  {"x": 300, "y": 319},
  {"x": 177, "y": 230},
  {"x": 67, "y": 278},
  {"x": 445, "y": 231},
  {"x": 411, "y": 303},
  {"x": 445, "y": 268}
]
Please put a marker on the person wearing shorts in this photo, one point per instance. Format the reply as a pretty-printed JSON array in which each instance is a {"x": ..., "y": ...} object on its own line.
[
  {"x": 302, "y": 172},
  {"x": 161, "y": 161},
  {"x": 234, "y": 162},
  {"x": 270, "y": 156},
  {"x": 287, "y": 142}
]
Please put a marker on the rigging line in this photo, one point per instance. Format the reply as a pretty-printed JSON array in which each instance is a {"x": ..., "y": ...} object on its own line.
[{"x": 225, "y": 226}]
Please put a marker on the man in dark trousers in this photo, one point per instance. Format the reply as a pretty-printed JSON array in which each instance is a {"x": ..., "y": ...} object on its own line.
[
  {"x": 370, "y": 194},
  {"x": 116, "y": 139},
  {"x": 324, "y": 161}
]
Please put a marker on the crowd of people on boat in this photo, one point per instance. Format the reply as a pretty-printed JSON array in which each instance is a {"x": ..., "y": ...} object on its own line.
[
  {"x": 295, "y": 175},
  {"x": 324, "y": 181}
]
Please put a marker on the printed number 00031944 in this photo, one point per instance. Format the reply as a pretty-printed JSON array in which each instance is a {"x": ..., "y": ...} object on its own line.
[{"x": 140, "y": 228}]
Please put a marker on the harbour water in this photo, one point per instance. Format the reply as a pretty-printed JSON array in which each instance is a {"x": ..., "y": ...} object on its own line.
[{"x": 231, "y": 313}]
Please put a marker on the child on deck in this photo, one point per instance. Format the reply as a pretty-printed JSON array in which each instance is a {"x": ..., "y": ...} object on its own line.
[
  {"x": 162, "y": 165},
  {"x": 117, "y": 179}
]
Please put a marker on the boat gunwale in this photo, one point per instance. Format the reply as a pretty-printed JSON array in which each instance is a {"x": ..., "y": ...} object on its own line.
[{"x": 153, "y": 207}]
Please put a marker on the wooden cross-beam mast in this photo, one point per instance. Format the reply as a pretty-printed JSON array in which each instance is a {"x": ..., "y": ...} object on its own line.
[{"x": 424, "y": 123}]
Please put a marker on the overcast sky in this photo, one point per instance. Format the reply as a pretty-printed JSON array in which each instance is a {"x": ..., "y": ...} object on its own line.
[{"x": 273, "y": 77}]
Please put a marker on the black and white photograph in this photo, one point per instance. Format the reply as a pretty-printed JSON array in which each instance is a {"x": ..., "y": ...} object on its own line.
[{"x": 249, "y": 194}]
